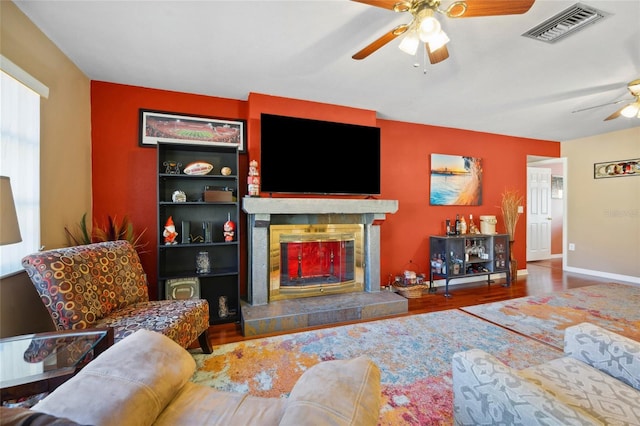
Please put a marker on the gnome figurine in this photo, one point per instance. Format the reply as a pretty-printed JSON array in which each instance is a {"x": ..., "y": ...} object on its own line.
[
  {"x": 169, "y": 232},
  {"x": 229, "y": 229}
]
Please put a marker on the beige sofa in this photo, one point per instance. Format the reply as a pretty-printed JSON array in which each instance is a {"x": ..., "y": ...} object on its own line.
[
  {"x": 145, "y": 379},
  {"x": 597, "y": 382}
]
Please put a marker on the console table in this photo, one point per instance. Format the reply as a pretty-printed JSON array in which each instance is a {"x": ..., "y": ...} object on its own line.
[{"x": 468, "y": 255}]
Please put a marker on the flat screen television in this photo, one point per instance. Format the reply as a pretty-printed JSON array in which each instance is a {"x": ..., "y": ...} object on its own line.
[{"x": 304, "y": 156}]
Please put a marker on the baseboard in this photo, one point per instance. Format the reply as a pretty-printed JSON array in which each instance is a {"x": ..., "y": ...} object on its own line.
[{"x": 607, "y": 275}]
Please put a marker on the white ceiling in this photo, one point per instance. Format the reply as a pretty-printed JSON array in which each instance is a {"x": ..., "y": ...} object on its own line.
[{"x": 494, "y": 81}]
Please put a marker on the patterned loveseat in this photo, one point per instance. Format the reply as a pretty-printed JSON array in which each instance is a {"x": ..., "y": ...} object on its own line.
[
  {"x": 104, "y": 285},
  {"x": 597, "y": 382}
]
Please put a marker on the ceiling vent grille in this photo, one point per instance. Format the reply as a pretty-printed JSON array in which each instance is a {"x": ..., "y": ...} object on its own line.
[{"x": 566, "y": 22}]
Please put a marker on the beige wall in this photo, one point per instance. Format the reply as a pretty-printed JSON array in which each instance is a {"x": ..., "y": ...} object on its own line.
[
  {"x": 603, "y": 215},
  {"x": 65, "y": 152}
]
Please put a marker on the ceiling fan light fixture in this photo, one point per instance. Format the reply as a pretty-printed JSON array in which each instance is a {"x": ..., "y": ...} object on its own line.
[
  {"x": 429, "y": 28},
  {"x": 438, "y": 41},
  {"x": 631, "y": 110},
  {"x": 410, "y": 43}
]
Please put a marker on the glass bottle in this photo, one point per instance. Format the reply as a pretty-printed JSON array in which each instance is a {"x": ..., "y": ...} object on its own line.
[{"x": 463, "y": 225}]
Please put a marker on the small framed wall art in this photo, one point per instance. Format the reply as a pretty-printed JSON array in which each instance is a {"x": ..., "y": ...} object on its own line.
[
  {"x": 557, "y": 186},
  {"x": 180, "y": 128},
  {"x": 612, "y": 169}
]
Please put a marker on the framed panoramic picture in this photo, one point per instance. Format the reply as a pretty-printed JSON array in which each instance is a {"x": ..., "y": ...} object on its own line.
[
  {"x": 456, "y": 180},
  {"x": 180, "y": 128},
  {"x": 620, "y": 168}
]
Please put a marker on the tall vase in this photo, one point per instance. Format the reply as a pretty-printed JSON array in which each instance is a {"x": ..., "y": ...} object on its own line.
[{"x": 513, "y": 263}]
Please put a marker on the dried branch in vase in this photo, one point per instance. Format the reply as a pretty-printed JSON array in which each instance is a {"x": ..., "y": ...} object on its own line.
[{"x": 511, "y": 200}]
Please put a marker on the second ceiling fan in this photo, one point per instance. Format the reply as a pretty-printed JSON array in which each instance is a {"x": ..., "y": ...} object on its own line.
[{"x": 425, "y": 28}]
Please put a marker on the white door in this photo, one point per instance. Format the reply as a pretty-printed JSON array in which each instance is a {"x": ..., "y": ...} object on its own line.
[{"x": 539, "y": 213}]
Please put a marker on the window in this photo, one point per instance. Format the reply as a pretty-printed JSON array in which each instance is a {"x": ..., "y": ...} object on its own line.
[{"x": 20, "y": 160}]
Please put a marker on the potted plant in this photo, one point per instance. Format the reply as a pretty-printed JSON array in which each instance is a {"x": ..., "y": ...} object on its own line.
[{"x": 112, "y": 230}]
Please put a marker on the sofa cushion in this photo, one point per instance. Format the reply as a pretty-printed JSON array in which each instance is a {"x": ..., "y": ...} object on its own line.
[
  {"x": 129, "y": 383},
  {"x": 605, "y": 350},
  {"x": 80, "y": 285},
  {"x": 488, "y": 392},
  {"x": 337, "y": 392},
  {"x": 582, "y": 386},
  {"x": 181, "y": 320},
  {"x": 196, "y": 404}
]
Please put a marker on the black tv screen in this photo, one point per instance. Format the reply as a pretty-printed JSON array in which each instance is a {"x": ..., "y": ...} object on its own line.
[{"x": 303, "y": 156}]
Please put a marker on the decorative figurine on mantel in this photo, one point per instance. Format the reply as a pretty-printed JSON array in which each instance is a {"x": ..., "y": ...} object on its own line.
[
  {"x": 169, "y": 232},
  {"x": 229, "y": 229},
  {"x": 253, "y": 180}
]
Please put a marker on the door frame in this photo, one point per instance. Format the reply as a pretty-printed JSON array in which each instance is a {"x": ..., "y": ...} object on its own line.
[{"x": 533, "y": 161}]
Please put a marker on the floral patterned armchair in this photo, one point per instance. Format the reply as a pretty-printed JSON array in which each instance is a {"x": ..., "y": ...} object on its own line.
[{"x": 104, "y": 285}]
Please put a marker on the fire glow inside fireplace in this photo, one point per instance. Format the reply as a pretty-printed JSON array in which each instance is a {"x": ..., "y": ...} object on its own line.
[{"x": 314, "y": 260}]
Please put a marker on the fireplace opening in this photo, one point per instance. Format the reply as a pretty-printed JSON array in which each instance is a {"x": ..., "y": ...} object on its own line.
[
  {"x": 316, "y": 262},
  {"x": 313, "y": 260}
]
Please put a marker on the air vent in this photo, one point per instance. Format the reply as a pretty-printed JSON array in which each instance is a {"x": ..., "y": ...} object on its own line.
[{"x": 566, "y": 22}]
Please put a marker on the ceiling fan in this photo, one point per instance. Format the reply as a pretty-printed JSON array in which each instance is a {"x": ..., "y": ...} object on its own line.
[
  {"x": 425, "y": 28},
  {"x": 631, "y": 110}
]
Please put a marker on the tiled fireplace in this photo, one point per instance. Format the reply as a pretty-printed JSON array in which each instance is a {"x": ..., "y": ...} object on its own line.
[{"x": 314, "y": 261}]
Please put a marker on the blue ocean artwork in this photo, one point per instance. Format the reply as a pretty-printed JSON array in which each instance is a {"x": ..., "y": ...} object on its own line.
[{"x": 455, "y": 180}]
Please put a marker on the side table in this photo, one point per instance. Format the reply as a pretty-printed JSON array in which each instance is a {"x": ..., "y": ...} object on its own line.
[{"x": 37, "y": 363}]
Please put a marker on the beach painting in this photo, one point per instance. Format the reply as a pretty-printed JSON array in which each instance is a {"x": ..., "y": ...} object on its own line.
[{"x": 456, "y": 180}]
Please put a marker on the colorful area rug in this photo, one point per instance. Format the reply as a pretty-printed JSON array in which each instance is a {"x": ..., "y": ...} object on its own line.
[
  {"x": 414, "y": 355},
  {"x": 611, "y": 306}
]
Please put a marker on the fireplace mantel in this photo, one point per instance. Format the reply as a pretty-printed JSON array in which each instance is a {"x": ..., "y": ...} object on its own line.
[
  {"x": 263, "y": 212},
  {"x": 317, "y": 206}
]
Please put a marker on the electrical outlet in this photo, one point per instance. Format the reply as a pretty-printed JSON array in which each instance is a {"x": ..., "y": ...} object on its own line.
[{"x": 572, "y": 247}]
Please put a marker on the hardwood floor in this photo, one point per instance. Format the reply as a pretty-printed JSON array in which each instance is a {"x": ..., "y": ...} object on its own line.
[{"x": 543, "y": 277}]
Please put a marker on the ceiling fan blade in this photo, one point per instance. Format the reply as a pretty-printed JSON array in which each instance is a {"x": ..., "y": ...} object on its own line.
[
  {"x": 377, "y": 44},
  {"x": 489, "y": 8},
  {"x": 615, "y": 114},
  {"x": 600, "y": 106},
  {"x": 385, "y": 4},
  {"x": 438, "y": 55}
]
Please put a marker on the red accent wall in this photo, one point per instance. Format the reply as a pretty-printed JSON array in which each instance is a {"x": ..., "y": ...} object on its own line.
[{"x": 124, "y": 173}]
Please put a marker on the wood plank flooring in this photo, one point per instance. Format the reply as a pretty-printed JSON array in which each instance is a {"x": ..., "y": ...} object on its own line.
[{"x": 543, "y": 277}]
